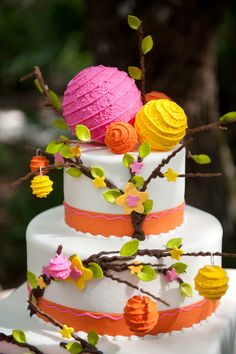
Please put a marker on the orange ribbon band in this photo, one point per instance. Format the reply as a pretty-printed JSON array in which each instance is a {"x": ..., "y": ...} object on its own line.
[
  {"x": 114, "y": 324},
  {"x": 120, "y": 224}
]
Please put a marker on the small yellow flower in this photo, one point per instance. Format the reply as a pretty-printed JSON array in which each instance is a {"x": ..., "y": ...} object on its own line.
[
  {"x": 99, "y": 182},
  {"x": 75, "y": 150},
  {"x": 176, "y": 253},
  {"x": 41, "y": 283},
  {"x": 171, "y": 175},
  {"x": 66, "y": 331},
  {"x": 135, "y": 269},
  {"x": 87, "y": 274},
  {"x": 132, "y": 199}
]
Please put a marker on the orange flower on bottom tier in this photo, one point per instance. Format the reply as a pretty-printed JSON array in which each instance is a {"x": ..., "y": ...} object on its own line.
[
  {"x": 132, "y": 199},
  {"x": 141, "y": 314}
]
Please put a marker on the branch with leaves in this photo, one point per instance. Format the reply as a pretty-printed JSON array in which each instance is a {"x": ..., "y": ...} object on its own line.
[
  {"x": 18, "y": 338},
  {"x": 81, "y": 344},
  {"x": 145, "y": 45}
]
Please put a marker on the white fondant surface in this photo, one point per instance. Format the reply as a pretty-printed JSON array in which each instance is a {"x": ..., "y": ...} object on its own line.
[
  {"x": 80, "y": 192},
  {"x": 200, "y": 232},
  {"x": 215, "y": 335}
]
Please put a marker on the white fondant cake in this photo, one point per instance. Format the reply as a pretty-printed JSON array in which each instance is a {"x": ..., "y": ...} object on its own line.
[
  {"x": 200, "y": 232},
  {"x": 79, "y": 193}
]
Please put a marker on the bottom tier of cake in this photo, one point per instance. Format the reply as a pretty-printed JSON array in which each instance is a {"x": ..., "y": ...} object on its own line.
[
  {"x": 215, "y": 335},
  {"x": 100, "y": 305}
]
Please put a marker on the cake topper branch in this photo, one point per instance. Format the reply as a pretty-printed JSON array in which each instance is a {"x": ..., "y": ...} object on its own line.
[{"x": 20, "y": 342}]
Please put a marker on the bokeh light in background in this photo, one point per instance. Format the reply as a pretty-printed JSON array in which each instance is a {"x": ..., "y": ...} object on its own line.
[{"x": 53, "y": 35}]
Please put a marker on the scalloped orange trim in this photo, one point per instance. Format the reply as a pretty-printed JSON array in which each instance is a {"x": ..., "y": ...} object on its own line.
[
  {"x": 119, "y": 224},
  {"x": 113, "y": 324}
]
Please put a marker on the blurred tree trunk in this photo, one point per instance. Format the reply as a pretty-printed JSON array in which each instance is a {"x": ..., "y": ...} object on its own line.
[{"x": 182, "y": 64}]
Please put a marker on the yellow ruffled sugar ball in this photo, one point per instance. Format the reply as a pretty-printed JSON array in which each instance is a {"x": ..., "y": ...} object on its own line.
[
  {"x": 162, "y": 123},
  {"x": 211, "y": 282},
  {"x": 41, "y": 186}
]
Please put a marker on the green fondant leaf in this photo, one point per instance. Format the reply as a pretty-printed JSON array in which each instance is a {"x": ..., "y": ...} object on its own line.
[
  {"x": 174, "y": 242},
  {"x": 96, "y": 269},
  {"x": 65, "y": 151},
  {"x": 186, "y": 290},
  {"x": 228, "y": 117},
  {"x": 74, "y": 172},
  {"x": 127, "y": 160},
  {"x": 97, "y": 171},
  {"x": 138, "y": 182},
  {"x": 134, "y": 22},
  {"x": 179, "y": 267},
  {"x": 134, "y": 72},
  {"x": 147, "y": 273},
  {"x": 148, "y": 205},
  {"x": 32, "y": 279},
  {"x": 55, "y": 99},
  {"x": 53, "y": 147},
  {"x": 82, "y": 133},
  {"x": 201, "y": 159},
  {"x": 144, "y": 150},
  {"x": 19, "y": 336},
  {"x": 37, "y": 84},
  {"x": 74, "y": 347},
  {"x": 147, "y": 44},
  {"x": 111, "y": 195},
  {"x": 93, "y": 338},
  {"x": 60, "y": 124},
  {"x": 130, "y": 248}
]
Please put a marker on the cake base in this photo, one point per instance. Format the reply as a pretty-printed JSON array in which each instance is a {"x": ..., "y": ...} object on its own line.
[{"x": 215, "y": 335}]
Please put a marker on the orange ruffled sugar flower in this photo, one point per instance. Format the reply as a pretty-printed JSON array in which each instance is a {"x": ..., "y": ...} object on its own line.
[
  {"x": 141, "y": 314},
  {"x": 121, "y": 137},
  {"x": 155, "y": 95},
  {"x": 37, "y": 162},
  {"x": 132, "y": 199}
]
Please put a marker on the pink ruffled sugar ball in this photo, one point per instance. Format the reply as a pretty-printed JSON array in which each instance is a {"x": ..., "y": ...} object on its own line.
[{"x": 98, "y": 96}]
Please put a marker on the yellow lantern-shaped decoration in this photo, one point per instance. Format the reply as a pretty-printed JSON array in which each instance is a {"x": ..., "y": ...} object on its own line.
[
  {"x": 211, "y": 282},
  {"x": 37, "y": 162},
  {"x": 141, "y": 314},
  {"x": 162, "y": 123},
  {"x": 41, "y": 186}
]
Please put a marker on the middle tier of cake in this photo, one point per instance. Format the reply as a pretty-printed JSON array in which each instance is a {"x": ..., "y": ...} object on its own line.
[{"x": 101, "y": 304}]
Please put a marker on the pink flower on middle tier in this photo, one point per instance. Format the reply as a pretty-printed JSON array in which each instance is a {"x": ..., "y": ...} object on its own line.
[
  {"x": 132, "y": 199},
  {"x": 171, "y": 275},
  {"x": 58, "y": 268},
  {"x": 136, "y": 167}
]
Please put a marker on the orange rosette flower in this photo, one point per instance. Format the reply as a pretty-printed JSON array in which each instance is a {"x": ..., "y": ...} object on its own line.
[
  {"x": 121, "y": 137},
  {"x": 37, "y": 162},
  {"x": 155, "y": 95},
  {"x": 141, "y": 314}
]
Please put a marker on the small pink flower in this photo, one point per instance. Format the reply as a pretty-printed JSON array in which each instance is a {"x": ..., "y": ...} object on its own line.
[
  {"x": 132, "y": 200},
  {"x": 171, "y": 275},
  {"x": 58, "y": 159},
  {"x": 58, "y": 268},
  {"x": 136, "y": 167},
  {"x": 75, "y": 273}
]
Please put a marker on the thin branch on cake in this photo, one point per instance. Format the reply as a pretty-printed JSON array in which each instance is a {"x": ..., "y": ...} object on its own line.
[
  {"x": 11, "y": 339},
  {"x": 142, "y": 62},
  {"x": 112, "y": 277},
  {"x": 38, "y": 75},
  {"x": 216, "y": 125},
  {"x": 164, "y": 162},
  {"x": 85, "y": 345},
  {"x": 69, "y": 163}
]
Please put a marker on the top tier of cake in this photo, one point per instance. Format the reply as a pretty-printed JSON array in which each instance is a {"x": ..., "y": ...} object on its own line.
[{"x": 86, "y": 209}]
